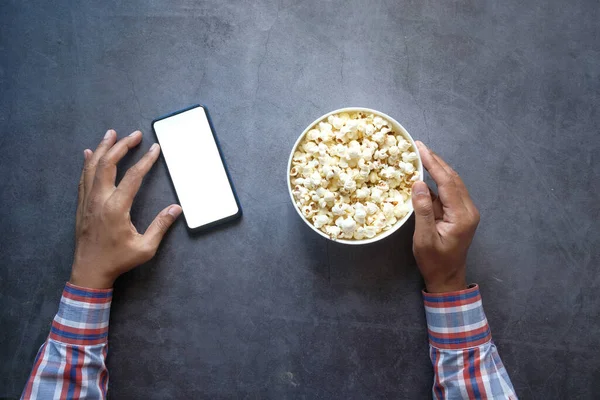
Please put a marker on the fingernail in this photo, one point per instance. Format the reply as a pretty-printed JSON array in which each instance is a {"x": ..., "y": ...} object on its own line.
[
  {"x": 85, "y": 155},
  {"x": 174, "y": 211},
  {"x": 420, "y": 144},
  {"x": 108, "y": 134},
  {"x": 420, "y": 188},
  {"x": 134, "y": 133},
  {"x": 153, "y": 147}
]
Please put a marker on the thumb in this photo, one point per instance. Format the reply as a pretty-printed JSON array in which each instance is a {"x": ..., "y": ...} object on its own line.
[
  {"x": 161, "y": 225},
  {"x": 424, "y": 215}
]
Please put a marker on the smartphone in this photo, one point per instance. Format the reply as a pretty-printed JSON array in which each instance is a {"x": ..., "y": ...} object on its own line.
[{"x": 196, "y": 167}]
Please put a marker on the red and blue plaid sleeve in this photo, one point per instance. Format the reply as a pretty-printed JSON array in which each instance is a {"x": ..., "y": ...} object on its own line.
[
  {"x": 465, "y": 360},
  {"x": 71, "y": 363}
]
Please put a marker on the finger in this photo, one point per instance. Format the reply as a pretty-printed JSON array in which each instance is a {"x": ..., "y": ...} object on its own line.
[
  {"x": 424, "y": 214},
  {"x": 459, "y": 183},
  {"x": 440, "y": 161},
  {"x": 161, "y": 224},
  {"x": 438, "y": 210},
  {"x": 457, "y": 179},
  {"x": 90, "y": 171},
  {"x": 437, "y": 172},
  {"x": 106, "y": 172},
  {"x": 131, "y": 182},
  {"x": 87, "y": 153},
  {"x": 447, "y": 190}
]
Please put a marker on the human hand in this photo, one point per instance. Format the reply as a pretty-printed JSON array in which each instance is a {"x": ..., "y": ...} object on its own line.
[
  {"x": 107, "y": 243},
  {"x": 444, "y": 226}
]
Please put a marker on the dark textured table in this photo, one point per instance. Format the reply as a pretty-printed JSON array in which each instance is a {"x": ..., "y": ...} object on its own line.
[{"x": 507, "y": 92}]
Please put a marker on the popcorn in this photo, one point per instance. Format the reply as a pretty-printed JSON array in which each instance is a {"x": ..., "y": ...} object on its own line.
[
  {"x": 299, "y": 157},
  {"x": 369, "y": 232},
  {"x": 381, "y": 154},
  {"x": 307, "y": 211},
  {"x": 339, "y": 209},
  {"x": 362, "y": 126},
  {"x": 380, "y": 222},
  {"x": 348, "y": 225},
  {"x": 383, "y": 186},
  {"x": 313, "y": 134},
  {"x": 393, "y": 160},
  {"x": 393, "y": 150},
  {"x": 315, "y": 178},
  {"x": 394, "y": 183},
  {"x": 376, "y": 195},
  {"x": 403, "y": 144},
  {"x": 335, "y": 121},
  {"x": 320, "y": 220},
  {"x": 373, "y": 177},
  {"x": 409, "y": 157},
  {"x": 379, "y": 122},
  {"x": 407, "y": 168},
  {"x": 367, "y": 154},
  {"x": 379, "y": 137},
  {"x": 341, "y": 137},
  {"x": 314, "y": 196},
  {"x": 389, "y": 223},
  {"x": 363, "y": 193},
  {"x": 390, "y": 141},
  {"x": 310, "y": 147},
  {"x": 388, "y": 210},
  {"x": 351, "y": 125},
  {"x": 345, "y": 199},
  {"x": 364, "y": 172},
  {"x": 359, "y": 233},
  {"x": 350, "y": 186},
  {"x": 328, "y": 197},
  {"x": 360, "y": 213},
  {"x": 371, "y": 208},
  {"x": 370, "y": 130},
  {"x": 324, "y": 126},
  {"x": 401, "y": 210},
  {"x": 323, "y": 150},
  {"x": 326, "y": 136},
  {"x": 352, "y": 174},
  {"x": 354, "y": 151},
  {"x": 333, "y": 231},
  {"x": 388, "y": 172}
]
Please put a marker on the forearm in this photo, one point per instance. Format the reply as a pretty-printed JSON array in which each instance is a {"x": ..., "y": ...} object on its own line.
[
  {"x": 465, "y": 360},
  {"x": 71, "y": 363}
]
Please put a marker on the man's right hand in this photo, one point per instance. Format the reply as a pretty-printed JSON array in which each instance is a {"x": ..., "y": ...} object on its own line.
[
  {"x": 444, "y": 226},
  {"x": 107, "y": 243}
]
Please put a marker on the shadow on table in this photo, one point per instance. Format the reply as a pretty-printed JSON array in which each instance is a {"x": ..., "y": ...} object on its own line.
[{"x": 370, "y": 267}]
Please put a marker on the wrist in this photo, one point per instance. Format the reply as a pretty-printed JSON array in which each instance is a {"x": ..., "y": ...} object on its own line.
[
  {"x": 91, "y": 280},
  {"x": 444, "y": 288},
  {"x": 447, "y": 284}
]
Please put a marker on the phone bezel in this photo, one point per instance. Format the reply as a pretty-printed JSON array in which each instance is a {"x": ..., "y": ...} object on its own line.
[{"x": 212, "y": 129}]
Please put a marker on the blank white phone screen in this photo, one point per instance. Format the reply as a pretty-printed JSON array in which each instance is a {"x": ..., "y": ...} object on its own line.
[{"x": 195, "y": 167}]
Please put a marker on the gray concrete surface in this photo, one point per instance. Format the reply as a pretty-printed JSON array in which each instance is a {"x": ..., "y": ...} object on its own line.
[{"x": 507, "y": 91}]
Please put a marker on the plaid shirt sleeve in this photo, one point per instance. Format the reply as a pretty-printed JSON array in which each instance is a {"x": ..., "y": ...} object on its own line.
[
  {"x": 71, "y": 363},
  {"x": 465, "y": 360}
]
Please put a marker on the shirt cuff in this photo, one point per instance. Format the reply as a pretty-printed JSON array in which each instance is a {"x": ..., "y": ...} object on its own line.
[
  {"x": 82, "y": 317},
  {"x": 456, "y": 320}
]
